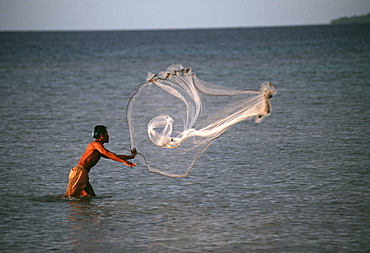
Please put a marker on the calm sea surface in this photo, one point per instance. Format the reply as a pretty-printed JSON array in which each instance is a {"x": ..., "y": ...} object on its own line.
[{"x": 297, "y": 182}]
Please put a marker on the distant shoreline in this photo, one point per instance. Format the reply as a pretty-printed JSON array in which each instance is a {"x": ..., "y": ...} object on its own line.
[{"x": 351, "y": 20}]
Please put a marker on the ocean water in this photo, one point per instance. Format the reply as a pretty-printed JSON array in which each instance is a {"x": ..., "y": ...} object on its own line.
[{"x": 297, "y": 182}]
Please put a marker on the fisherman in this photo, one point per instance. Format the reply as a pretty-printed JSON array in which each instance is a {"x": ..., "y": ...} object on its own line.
[{"x": 78, "y": 184}]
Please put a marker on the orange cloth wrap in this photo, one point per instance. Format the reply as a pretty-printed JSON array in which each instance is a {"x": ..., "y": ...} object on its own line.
[{"x": 77, "y": 181}]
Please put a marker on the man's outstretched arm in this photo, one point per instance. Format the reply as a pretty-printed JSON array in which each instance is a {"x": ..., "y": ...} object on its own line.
[{"x": 110, "y": 155}]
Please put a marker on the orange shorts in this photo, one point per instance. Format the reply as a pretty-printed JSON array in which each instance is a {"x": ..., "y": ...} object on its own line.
[{"x": 77, "y": 181}]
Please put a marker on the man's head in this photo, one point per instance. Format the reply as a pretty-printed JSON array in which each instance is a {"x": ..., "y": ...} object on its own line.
[{"x": 100, "y": 132}]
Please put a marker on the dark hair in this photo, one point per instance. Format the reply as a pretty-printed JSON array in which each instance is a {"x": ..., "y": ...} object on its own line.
[{"x": 99, "y": 130}]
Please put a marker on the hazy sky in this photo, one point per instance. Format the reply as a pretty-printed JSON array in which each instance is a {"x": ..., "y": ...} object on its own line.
[{"x": 167, "y": 14}]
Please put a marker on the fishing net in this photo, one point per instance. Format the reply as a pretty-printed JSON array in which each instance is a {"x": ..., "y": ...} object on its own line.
[{"x": 174, "y": 116}]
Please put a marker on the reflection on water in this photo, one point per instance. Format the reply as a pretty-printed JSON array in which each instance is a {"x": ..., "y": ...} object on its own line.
[
  {"x": 86, "y": 222},
  {"x": 166, "y": 225}
]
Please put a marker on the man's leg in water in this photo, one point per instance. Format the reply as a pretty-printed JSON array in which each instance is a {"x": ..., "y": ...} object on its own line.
[{"x": 88, "y": 190}]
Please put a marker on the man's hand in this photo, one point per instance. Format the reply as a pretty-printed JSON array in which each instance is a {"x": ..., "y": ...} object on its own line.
[
  {"x": 130, "y": 164},
  {"x": 133, "y": 152}
]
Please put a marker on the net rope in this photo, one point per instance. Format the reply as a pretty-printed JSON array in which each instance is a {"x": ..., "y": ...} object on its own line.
[{"x": 174, "y": 116}]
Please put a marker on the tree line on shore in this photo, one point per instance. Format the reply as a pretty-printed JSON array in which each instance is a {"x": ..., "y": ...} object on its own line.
[{"x": 351, "y": 20}]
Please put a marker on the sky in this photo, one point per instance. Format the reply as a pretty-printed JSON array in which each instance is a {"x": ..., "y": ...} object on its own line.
[{"x": 56, "y": 15}]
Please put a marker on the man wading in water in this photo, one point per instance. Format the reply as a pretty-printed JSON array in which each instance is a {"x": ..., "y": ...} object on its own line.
[{"x": 78, "y": 184}]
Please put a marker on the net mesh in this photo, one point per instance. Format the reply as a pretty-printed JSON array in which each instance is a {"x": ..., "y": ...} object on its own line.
[{"x": 174, "y": 116}]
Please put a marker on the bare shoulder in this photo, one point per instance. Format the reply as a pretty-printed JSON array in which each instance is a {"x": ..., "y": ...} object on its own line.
[
  {"x": 96, "y": 145},
  {"x": 92, "y": 145}
]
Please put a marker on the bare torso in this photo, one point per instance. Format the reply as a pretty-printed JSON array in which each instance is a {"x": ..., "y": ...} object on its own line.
[
  {"x": 96, "y": 150},
  {"x": 90, "y": 157}
]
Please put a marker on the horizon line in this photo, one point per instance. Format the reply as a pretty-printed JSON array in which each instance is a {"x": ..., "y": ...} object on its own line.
[{"x": 157, "y": 29}]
